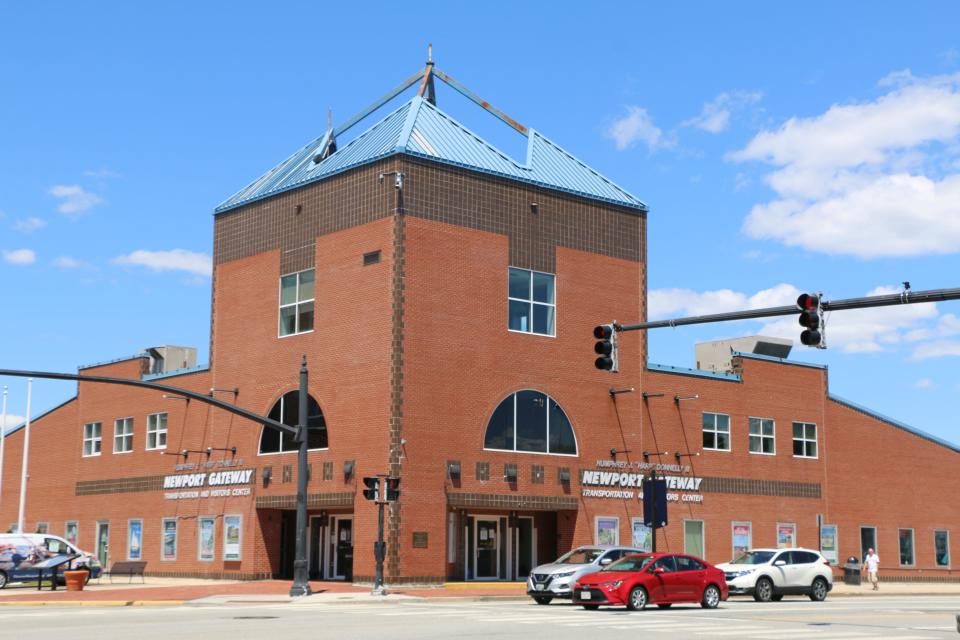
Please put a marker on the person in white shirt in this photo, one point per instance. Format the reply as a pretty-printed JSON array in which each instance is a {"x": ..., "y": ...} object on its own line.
[{"x": 870, "y": 563}]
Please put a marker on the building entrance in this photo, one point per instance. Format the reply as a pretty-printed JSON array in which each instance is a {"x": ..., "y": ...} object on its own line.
[{"x": 499, "y": 547}]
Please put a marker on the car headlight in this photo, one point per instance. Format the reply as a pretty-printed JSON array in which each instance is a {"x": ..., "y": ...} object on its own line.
[
  {"x": 612, "y": 585},
  {"x": 565, "y": 574},
  {"x": 737, "y": 574}
]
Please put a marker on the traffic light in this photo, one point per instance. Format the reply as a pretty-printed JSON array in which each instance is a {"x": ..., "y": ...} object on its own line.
[
  {"x": 606, "y": 348},
  {"x": 393, "y": 489},
  {"x": 811, "y": 317},
  {"x": 372, "y": 492}
]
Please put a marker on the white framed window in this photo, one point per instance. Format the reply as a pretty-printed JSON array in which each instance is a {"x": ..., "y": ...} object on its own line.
[
  {"x": 157, "y": 431},
  {"x": 169, "y": 532},
  {"x": 296, "y": 302},
  {"x": 762, "y": 436},
  {"x": 285, "y": 410},
  {"x": 907, "y": 558},
  {"x": 693, "y": 538},
  {"x": 206, "y": 538},
  {"x": 92, "y": 439},
  {"x": 531, "y": 302},
  {"x": 123, "y": 435},
  {"x": 741, "y": 537},
  {"x": 134, "y": 539},
  {"x": 716, "y": 431},
  {"x": 606, "y": 529},
  {"x": 804, "y": 440},
  {"x": 941, "y": 547},
  {"x": 529, "y": 421},
  {"x": 232, "y": 537}
]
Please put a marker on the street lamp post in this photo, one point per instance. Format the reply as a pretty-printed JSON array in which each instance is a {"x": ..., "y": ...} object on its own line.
[{"x": 301, "y": 585}]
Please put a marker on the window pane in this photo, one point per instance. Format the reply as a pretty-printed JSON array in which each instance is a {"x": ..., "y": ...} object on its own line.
[
  {"x": 519, "y": 316},
  {"x": 316, "y": 425},
  {"x": 543, "y": 287},
  {"x": 941, "y": 548},
  {"x": 543, "y": 319},
  {"x": 754, "y": 426},
  {"x": 768, "y": 445},
  {"x": 797, "y": 430},
  {"x": 723, "y": 423},
  {"x": 306, "y": 285},
  {"x": 561, "y": 433},
  {"x": 906, "y": 546},
  {"x": 519, "y": 283},
  {"x": 709, "y": 441},
  {"x": 811, "y": 432},
  {"x": 288, "y": 289},
  {"x": 723, "y": 441},
  {"x": 812, "y": 449},
  {"x": 768, "y": 427},
  {"x": 798, "y": 449},
  {"x": 306, "y": 317},
  {"x": 288, "y": 321},
  {"x": 531, "y": 421},
  {"x": 500, "y": 428}
]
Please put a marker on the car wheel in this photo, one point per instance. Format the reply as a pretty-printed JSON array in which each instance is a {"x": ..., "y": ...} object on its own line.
[
  {"x": 763, "y": 592},
  {"x": 665, "y": 605},
  {"x": 777, "y": 597},
  {"x": 591, "y": 607},
  {"x": 638, "y": 599},
  {"x": 818, "y": 592},
  {"x": 542, "y": 599},
  {"x": 711, "y": 597},
  {"x": 3, "y": 579}
]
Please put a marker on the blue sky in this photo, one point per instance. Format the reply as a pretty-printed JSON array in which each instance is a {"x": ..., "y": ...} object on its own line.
[{"x": 787, "y": 148}]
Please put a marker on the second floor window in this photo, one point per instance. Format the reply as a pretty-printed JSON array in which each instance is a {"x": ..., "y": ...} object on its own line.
[
  {"x": 716, "y": 431},
  {"x": 123, "y": 435},
  {"x": 296, "y": 302},
  {"x": 92, "y": 439},
  {"x": 531, "y": 302},
  {"x": 157, "y": 431},
  {"x": 804, "y": 440},
  {"x": 762, "y": 438}
]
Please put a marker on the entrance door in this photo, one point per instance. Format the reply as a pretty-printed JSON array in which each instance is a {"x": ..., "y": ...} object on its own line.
[
  {"x": 341, "y": 547},
  {"x": 487, "y": 543},
  {"x": 868, "y": 540},
  {"x": 525, "y": 543},
  {"x": 103, "y": 544},
  {"x": 316, "y": 548}
]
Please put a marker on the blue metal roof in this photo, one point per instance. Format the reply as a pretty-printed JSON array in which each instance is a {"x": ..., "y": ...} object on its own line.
[
  {"x": 697, "y": 373},
  {"x": 419, "y": 128}
]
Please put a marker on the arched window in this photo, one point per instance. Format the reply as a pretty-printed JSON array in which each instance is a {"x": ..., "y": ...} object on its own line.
[
  {"x": 530, "y": 421},
  {"x": 285, "y": 410}
]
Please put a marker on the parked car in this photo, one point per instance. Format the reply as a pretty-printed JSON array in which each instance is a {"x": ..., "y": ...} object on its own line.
[
  {"x": 19, "y": 552},
  {"x": 556, "y": 579},
  {"x": 770, "y": 574},
  {"x": 652, "y": 578}
]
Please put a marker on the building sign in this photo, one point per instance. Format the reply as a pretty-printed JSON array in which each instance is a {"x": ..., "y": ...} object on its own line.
[
  {"x": 616, "y": 479},
  {"x": 198, "y": 485},
  {"x": 828, "y": 543}
]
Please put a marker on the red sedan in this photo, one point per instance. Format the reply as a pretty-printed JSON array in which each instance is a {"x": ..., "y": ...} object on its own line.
[{"x": 657, "y": 578}]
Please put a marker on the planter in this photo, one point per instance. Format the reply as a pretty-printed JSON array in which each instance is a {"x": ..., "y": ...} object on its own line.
[{"x": 76, "y": 579}]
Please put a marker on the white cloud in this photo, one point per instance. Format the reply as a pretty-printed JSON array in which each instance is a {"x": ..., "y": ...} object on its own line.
[
  {"x": 869, "y": 179},
  {"x": 75, "y": 199},
  {"x": 715, "y": 115},
  {"x": 173, "y": 260},
  {"x": 636, "y": 126},
  {"x": 925, "y": 383},
  {"x": 12, "y": 420},
  {"x": 66, "y": 262},
  {"x": 20, "y": 256},
  {"x": 936, "y": 349},
  {"x": 29, "y": 225}
]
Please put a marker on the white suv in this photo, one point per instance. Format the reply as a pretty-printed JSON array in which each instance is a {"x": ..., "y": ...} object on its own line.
[{"x": 770, "y": 574}]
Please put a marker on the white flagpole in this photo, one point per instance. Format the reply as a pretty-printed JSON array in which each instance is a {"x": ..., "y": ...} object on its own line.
[
  {"x": 26, "y": 456},
  {"x": 3, "y": 439}
]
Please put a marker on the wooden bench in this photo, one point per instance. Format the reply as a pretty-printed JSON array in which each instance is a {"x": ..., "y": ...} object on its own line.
[{"x": 128, "y": 568}]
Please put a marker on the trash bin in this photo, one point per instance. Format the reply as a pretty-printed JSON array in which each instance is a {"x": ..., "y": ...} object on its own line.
[{"x": 851, "y": 571}]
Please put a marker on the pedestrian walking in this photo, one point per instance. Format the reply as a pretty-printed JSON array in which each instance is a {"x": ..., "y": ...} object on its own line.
[{"x": 870, "y": 563}]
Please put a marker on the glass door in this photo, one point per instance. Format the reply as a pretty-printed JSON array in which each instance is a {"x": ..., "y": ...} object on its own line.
[
  {"x": 341, "y": 547},
  {"x": 487, "y": 549},
  {"x": 103, "y": 544},
  {"x": 868, "y": 540},
  {"x": 525, "y": 543},
  {"x": 316, "y": 547},
  {"x": 693, "y": 538}
]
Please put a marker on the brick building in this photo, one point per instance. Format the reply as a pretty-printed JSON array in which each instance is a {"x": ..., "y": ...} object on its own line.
[{"x": 443, "y": 294}]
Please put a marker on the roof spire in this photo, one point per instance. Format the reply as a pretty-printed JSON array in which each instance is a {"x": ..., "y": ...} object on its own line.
[
  {"x": 430, "y": 53},
  {"x": 426, "y": 86},
  {"x": 329, "y": 118}
]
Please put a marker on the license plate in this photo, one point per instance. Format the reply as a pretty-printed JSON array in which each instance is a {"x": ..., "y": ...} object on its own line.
[
  {"x": 538, "y": 587},
  {"x": 585, "y": 595}
]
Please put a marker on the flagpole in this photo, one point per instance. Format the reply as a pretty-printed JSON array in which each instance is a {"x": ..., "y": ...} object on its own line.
[
  {"x": 26, "y": 456},
  {"x": 3, "y": 439}
]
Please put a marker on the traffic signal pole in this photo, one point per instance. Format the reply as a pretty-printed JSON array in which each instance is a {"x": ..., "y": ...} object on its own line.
[
  {"x": 904, "y": 297},
  {"x": 379, "y": 551},
  {"x": 301, "y": 584}
]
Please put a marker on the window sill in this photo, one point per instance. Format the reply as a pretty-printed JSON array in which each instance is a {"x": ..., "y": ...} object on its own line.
[
  {"x": 762, "y": 453},
  {"x": 293, "y": 335},
  {"x": 532, "y": 333}
]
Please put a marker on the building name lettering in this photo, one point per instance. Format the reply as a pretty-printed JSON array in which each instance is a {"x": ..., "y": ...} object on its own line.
[
  {"x": 215, "y": 479},
  {"x": 624, "y": 479}
]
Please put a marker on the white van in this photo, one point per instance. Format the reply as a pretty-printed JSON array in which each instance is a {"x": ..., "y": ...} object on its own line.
[{"x": 19, "y": 552}]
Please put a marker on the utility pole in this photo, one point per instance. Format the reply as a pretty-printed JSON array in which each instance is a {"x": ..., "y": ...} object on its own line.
[{"x": 301, "y": 584}]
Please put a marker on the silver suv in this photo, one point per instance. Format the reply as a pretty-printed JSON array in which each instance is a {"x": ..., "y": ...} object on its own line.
[{"x": 556, "y": 579}]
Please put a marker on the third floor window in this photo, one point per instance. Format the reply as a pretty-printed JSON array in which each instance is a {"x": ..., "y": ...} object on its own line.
[{"x": 531, "y": 302}]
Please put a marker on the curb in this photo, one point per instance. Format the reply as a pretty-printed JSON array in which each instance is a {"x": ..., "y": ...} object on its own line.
[{"x": 92, "y": 603}]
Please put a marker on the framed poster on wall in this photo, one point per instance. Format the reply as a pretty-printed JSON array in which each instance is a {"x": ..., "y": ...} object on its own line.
[
  {"x": 231, "y": 537},
  {"x": 742, "y": 538},
  {"x": 828, "y": 543},
  {"x": 207, "y": 541},
  {"x": 169, "y": 551},
  {"x": 642, "y": 535},
  {"x": 134, "y": 539},
  {"x": 786, "y": 535},
  {"x": 607, "y": 530}
]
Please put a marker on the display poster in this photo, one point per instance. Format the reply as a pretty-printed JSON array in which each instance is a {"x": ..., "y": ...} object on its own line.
[
  {"x": 70, "y": 533},
  {"x": 170, "y": 539},
  {"x": 642, "y": 535},
  {"x": 741, "y": 538},
  {"x": 608, "y": 530},
  {"x": 134, "y": 539},
  {"x": 207, "y": 539},
  {"x": 828, "y": 543},
  {"x": 231, "y": 537},
  {"x": 786, "y": 535}
]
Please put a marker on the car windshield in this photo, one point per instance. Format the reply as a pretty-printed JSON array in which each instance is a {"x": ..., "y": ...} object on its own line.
[
  {"x": 580, "y": 556},
  {"x": 754, "y": 557},
  {"x": 630, "y": 563}
]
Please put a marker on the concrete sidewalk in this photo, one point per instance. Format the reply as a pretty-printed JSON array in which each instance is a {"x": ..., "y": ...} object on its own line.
[{"x": 177, "y": 591}]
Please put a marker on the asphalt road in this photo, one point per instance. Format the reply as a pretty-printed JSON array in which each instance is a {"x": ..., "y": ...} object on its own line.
[{"x": 905, "y": 618}]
